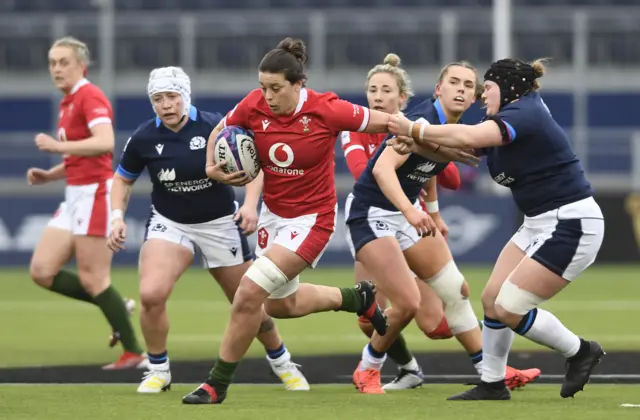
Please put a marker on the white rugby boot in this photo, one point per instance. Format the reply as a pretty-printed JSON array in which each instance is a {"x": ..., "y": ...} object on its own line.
[
  {"x": 156, "y": 379},
  {"x": 406, "y": 379},
  {"x": 289, "y": 373}
]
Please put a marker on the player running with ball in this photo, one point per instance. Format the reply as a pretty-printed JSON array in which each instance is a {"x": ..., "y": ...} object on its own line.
[
  {"x": 189, "y": 212},
  {"x": 295, "y": 132}
]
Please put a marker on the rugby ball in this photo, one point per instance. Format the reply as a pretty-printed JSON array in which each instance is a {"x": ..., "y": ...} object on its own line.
[{"x": 236, "y": 147}]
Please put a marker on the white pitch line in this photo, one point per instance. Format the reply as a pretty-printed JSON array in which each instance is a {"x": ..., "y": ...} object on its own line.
[{"x": 428, "y": 377}]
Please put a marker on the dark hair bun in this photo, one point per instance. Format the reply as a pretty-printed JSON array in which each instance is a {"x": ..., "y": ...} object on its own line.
[{"x": 294, "y": 47}]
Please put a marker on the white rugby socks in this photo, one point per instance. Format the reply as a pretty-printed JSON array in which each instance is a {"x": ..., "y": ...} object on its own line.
[
  {"x": 372, "y": 359},
  {"x": 544, "y": 328},
  {"x": 496, "y": 343}
]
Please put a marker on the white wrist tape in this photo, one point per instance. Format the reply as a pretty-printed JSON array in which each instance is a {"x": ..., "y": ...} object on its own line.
[
  {"x": 432, "y": 206},
  {"x": 411, "y": 128},
  {"x": 116, "y": 214},
  {"x": 422, "y": 126}
]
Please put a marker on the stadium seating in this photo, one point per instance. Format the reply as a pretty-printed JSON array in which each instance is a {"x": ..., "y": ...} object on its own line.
[
  {"x": 353, "y": 39},
  {"x": 68, "y": 5}
]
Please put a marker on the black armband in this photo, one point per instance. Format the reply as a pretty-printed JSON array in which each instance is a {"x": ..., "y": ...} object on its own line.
[{"x": 504, "y": 132}]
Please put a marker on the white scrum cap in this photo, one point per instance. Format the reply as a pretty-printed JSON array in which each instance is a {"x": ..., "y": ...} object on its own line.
[{"x": 171, "y": 79}]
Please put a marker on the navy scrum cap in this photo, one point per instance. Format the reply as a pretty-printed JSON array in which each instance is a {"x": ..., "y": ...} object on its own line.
[{"x": 514, "y": 77}]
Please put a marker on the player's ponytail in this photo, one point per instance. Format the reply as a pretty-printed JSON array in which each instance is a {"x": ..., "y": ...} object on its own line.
[
  {"x": 392, "y": 59},
  {"x": 391, "y": 65},
  {"x": 294, "y": 47},
  {"x": 539, "y": 69},
  {"x": 288, "y": 58}
]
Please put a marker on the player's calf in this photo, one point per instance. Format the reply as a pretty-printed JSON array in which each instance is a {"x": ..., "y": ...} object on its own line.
[{"x": 365, "y": 326}]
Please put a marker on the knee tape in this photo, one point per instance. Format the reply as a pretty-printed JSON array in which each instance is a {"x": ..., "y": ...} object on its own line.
[
  {"x": 442, "y": 331},
  {"x": 457, "y": 309},
  {"x": 516, "y": 300},
  {"x": 266, "y": 274}
]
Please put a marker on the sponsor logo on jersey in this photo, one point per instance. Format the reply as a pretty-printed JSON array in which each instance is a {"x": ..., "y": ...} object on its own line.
[
  {"x": 167, "y": 175},
  {"x": 503, "y": 179},
  {"x": 281, "y": 155}
]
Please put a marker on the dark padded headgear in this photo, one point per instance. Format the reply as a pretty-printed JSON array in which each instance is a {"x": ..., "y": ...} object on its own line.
[{"x": 514, "y": 77}]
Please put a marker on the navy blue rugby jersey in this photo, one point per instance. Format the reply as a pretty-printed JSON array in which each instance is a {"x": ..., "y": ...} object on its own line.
[
  {"x": 413, "y": 173},
  {"x": 538, "y": 163},
  {"x": 182, "y": 192}
]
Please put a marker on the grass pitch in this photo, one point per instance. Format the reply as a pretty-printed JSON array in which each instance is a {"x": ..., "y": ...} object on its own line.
[
  {"x": 42, "y": 328},
  {"x": 107, "y": 402}
]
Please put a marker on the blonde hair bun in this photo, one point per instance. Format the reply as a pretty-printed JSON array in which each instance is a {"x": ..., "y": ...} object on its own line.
[{"x": 392, "y": 59}]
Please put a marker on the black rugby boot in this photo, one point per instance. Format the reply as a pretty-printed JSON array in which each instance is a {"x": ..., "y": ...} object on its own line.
[
  {"x": 370, "y": 308},
  {"x": 485, "y": 391},
  {"x": 206, "y": 394},
  {"x": 579, "y": 368}
]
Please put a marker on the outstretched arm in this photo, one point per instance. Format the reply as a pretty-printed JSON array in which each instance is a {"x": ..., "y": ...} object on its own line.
[{"x": 486, "y": 134}]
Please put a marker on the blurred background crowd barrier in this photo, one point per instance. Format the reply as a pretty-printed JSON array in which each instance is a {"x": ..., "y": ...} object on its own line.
[{"x": 592, "y": 88}]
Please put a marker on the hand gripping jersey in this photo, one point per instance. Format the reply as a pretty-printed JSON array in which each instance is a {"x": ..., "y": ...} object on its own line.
[
  {"x": 412, "y": 174},
  {"x": 360, "y": 147}
]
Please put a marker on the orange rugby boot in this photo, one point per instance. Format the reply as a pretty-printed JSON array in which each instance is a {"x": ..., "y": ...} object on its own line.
[{"x": 515, "y": 378}]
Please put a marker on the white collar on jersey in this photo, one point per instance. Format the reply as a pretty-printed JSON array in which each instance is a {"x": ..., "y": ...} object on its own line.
[
  {"x": 78, "y": 85},
  {"x": 193, "y": 115},
  {"x": 301, "y": 100}
]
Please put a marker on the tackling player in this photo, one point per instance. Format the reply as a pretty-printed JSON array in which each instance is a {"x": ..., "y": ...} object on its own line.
[
  {"x": 384, "y": 218},
  {"x": 562, "y": 232},
  {"x": 389, "y": 89},
  {"x": 295, "y": 130},
  {"x": 81, "y": 223},
  {"x": 189, "y": 212}
]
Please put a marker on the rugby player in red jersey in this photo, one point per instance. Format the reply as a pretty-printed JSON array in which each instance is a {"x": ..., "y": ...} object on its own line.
[
  {"x": 80, "y": 225},
  {"x": 389, "y": 89}
]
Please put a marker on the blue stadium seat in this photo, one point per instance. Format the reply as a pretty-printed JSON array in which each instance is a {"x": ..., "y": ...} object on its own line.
[
  {"x": 27, "y": 54},
  {"x": 160, "y": 5},
  {"x": 144, "y": 53},
  {"x": 414, "y": 52},
  {"x": 231, "y": 52},
  {"x": 621, "y": 48},
  {"x": 74, "y": 5},
  {"x": 361, "y": 51},
  {"x": 476, "y": 48},
  {"x": 32, "y": 5},
  {"x": 129, "y": 4},
  {"x": 557, "y": 46},
  {"x": 7, "y": 5}
]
